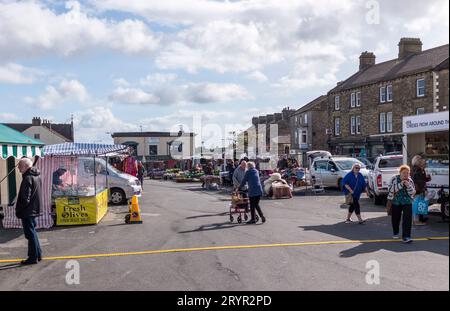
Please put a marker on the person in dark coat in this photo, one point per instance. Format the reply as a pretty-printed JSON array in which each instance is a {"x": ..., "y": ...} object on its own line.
[
  {"x": 28, "y": 207},
  {"x": 255, "y": 191},
  {"x": 420, "y": 178}
]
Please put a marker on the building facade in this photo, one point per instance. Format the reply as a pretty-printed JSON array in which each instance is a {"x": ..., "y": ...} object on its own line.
[
  {"x": 308, "y": 128},
  {"x": 365, "y": 112},
  {"x": 158, "y": 146},
  {"x": 46, "y": 131}
]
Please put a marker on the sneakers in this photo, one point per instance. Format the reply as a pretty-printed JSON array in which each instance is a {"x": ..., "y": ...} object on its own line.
[
  {"x": 263, "y": 219},
  {"x": 396, "y": 237},
  {"x": 407, "y": 240},
  {"x": 251, "y": 222},
  {"x": 348, "y": 221}
]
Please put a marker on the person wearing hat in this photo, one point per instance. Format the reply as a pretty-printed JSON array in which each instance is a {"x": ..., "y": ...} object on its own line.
[{"x": 353, "y": 186}]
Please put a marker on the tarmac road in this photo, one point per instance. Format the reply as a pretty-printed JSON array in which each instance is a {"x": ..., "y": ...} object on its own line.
[{"x": 180, "y": 218}]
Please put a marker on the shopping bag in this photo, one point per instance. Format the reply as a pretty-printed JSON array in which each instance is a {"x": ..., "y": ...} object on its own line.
[
  {"x": 349, "y": 199},
  {"x": 420, "y": 205}
]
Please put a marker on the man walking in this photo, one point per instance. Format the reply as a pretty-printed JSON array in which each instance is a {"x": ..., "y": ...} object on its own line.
[
  {"x": 238, "y": 176},
  {"x": 28, "y": 208}
]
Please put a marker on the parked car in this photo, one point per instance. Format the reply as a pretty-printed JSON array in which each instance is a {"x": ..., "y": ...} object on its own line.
[
  {"x": 331, "y": 171},
  {"x": 385, "y": 167},
  {"x": 366, "y": 162},
  {"x": 121, "y": 186}
]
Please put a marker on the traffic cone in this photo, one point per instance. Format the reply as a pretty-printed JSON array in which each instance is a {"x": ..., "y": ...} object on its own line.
[{"x": 135, "y": 214}]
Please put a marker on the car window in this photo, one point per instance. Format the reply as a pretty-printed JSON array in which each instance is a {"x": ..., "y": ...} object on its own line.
[
  {"x": 332, "y": 166},
  {"x": 395, "y": 162},
  {"x": 320, "y": 165},
  {"x": 347, "y": 164}
]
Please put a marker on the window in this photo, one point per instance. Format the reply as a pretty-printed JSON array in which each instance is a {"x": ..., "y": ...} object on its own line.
[
  {"x": 358, "y": 99},
  {"x": 421, "y": 88},
  {"x": 320, "y": 165},
  {"x": 153, "y": 150},
  {"x": 337, "y": 126},
  {"x": 304, "y": 137},
  {"x": 337, "y": 105},
  {"x": 383, "y": 122},
  {"x": 420, "y": 110},
  {"x": 353, "y": 125},
  {"x": 358, "y": 125},
  {"x": 296, "y": 120},
  {"x": 353, "y": 100},
  {"x": 382, "y": 94},
  {"x": 389, "y": 93},
  {"x": 389, "y": 122},
  {"x": 305, "y": 120},
  {"x": 37, "y": 136}
]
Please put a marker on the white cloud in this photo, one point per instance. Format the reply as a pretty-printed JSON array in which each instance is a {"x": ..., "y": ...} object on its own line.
[
  {"x": 8, "y": 117},
  {"x": 17, "y": 74},
  {"x": 31, "y": 29},
  {"x": 257, "y": 76},
  {"x": 54, "y": 96},
  {"x": 158, "y": 79},
  {"x": 133, "y": 96},
  {"x": 121, "y": 82},
  {"x": 200, "y": 93},
  {"x": 96, "y": 124}
]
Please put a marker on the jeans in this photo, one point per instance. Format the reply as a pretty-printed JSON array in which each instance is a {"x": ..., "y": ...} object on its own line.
[
  {"x": 29, "y": 230},
  {"x": 355, "y": 207},
  {"x": 397, "y": 211},
  {"x": 254, "y": 205}
]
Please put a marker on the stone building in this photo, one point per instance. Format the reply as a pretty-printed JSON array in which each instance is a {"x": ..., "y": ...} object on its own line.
[
  {"x": 308, "y": 128},
  {"x": 365, "y": 111}
]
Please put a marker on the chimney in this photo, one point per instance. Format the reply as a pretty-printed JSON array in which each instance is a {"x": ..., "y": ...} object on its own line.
[
  {"x": 255, "y": 120},
  {"x": 408, "y": 47},
  {"x": 366, "y": 60},
  {"x": 36, "y": 121},
  {"x": 270, "y": 118},
  {"x": 278, "y": 116}
]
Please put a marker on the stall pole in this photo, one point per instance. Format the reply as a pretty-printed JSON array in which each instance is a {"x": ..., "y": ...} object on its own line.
[{"x": 95, "y": 175}]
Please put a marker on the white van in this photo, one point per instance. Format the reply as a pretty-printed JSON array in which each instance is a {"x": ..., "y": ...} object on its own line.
[{"x": 122, "y": 186}]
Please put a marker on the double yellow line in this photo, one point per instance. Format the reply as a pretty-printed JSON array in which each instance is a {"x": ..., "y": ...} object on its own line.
[{"x": 219, "y": 248}]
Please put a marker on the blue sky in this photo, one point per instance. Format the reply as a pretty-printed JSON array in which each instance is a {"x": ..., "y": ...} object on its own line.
[{"x": 119, "y": 65}]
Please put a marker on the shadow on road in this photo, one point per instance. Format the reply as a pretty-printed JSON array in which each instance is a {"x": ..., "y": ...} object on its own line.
[
  {"x": 11, "y": 266},
  {"x": 210, "y": 227},
  {"x": 380, "y": 228},
  {"x": 207, "y": 215}
]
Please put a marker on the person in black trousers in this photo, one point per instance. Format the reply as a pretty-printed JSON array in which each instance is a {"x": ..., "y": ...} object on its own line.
[
  {"x": 255, "y": 192},
  {"x": 28, "y": 207}
]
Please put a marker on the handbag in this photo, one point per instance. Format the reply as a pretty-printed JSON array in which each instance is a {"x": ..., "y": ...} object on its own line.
[
  {"x": 349, "y": 199},
  {"x": 420, "y": 205}
]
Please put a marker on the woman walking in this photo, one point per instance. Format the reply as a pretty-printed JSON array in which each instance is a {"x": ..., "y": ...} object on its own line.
[
  {"x": 255, "y": 191},
  {"x": 420, "y": 179},
  {"x": 354, "y": 184},
  {"x": 401, "y": 195}
]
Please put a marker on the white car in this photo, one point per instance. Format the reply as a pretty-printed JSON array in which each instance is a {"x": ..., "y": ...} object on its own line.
[
  {"x": 330, "y": 171},
  {"x": 385, "y": 167}
]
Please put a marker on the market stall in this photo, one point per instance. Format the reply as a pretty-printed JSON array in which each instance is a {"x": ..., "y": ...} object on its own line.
[
  {"x": 80, "y": 189},
  {"x": 74, "y": 184}
]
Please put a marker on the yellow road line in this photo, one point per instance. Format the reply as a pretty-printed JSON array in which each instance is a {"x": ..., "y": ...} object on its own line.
[{"x": 217, "y": 248}]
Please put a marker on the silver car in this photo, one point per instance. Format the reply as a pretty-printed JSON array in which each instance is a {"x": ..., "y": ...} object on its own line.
[{"x": 330, "y": 171}]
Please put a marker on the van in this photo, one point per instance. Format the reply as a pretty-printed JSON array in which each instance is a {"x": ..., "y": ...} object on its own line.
[{"x": 122, "y": 186}]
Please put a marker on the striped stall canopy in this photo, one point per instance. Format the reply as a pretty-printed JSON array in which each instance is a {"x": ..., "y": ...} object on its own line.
[
  {"x": 18, "y": 151},
  {"x": 76, "y": 149}
]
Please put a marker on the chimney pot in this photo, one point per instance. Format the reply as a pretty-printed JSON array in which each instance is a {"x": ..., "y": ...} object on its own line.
[
  {"x": 408, "y": 47},
  {"x": 366, "y": 60}
]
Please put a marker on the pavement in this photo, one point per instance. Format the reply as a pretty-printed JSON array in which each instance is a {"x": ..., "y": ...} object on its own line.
[{"x": 188, "y": 243}]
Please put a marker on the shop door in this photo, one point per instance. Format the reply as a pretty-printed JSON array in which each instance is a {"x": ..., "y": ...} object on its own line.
[{"x": 12, "y": 186}]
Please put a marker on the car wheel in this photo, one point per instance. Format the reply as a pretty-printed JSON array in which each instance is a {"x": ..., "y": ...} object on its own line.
[
  {"x": 118, "y": 197},
  {"x": 378, "y": 200}
]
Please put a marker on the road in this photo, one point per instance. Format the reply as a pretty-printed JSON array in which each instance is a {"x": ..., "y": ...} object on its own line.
[{"x": 317, "y": 252}]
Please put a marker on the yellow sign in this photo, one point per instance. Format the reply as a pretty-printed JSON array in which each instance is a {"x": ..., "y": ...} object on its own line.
[{"x": 81, "y": 210}]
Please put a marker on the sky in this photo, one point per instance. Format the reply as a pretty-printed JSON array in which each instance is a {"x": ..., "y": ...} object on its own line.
[{"x": 207, "y": 65}]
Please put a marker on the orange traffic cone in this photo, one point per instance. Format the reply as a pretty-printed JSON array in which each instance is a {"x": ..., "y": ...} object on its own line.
[{"x": 135, "y": 213}]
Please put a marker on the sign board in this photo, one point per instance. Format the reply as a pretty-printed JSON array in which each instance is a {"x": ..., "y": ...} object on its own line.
[
  {"x": 154, "y": 140},
  {"x": 424, "y": 123}
]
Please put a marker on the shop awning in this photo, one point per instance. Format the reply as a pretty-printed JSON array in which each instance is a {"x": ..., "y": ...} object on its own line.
[
  {"x": 18, "y": 145},
  {"x": 79, "y": 149}
]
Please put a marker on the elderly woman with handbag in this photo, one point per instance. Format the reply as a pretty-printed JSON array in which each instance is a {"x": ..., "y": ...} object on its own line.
[
  {"x": 400, "y": 199},
  {"x": 354, "y": 185}
]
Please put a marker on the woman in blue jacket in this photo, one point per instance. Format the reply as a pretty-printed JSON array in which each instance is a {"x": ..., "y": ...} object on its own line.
[
  {"x": 255, "y": 191},
  {"x": 354, "y": 184}
]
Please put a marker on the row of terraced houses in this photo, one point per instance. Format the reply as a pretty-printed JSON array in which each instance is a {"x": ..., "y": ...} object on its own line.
[{"x": 363, "y": 115}]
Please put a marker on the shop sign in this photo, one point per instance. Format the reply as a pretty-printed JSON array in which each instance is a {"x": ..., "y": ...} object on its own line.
[{"x": 433, "y": 122}]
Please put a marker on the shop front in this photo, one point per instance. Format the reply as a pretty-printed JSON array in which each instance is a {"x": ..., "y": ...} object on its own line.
[{"x": 428, "y": 135}]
